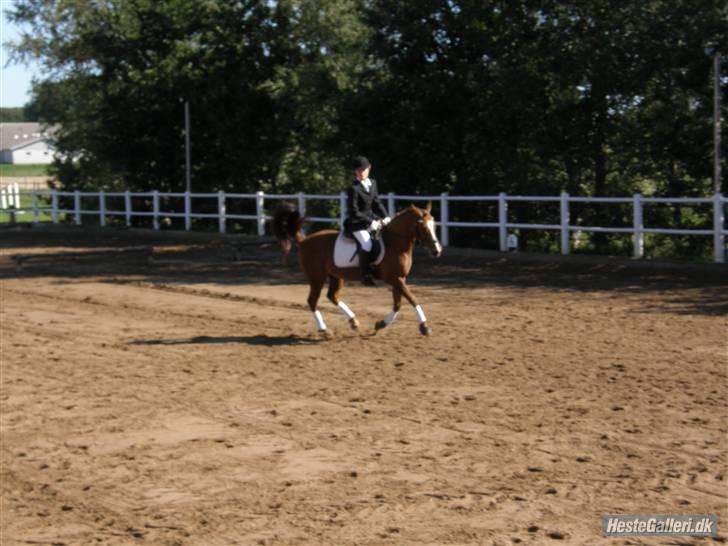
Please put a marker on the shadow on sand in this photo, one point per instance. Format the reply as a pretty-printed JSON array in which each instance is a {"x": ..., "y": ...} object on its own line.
[
  {"x": 268, "y": 341},
  {"x": 72, "y": 253}
]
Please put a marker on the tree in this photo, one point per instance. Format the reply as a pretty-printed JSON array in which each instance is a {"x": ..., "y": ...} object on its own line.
[
  {"x": 14, "y": 114},
  {"x": 467, "y": 96},
  {"x": 120, "y": 71}
]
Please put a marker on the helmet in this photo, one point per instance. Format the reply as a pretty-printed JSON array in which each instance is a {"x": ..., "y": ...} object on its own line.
[{"x": 360, "y": 162}]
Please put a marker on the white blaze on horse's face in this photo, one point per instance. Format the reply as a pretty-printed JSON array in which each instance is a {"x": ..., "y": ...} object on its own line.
[{"x": 436, "y": 247}]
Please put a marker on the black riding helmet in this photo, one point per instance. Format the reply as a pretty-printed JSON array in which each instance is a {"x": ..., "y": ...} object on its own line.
[{"x": 360, "y": 162}]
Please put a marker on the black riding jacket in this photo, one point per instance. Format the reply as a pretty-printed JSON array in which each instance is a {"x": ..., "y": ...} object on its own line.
[{"x": 363, "y": 206}]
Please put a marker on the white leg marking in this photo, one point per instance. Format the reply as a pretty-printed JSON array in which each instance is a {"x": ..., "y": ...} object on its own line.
[
  {"x": 390, "y": 318},
  {"x": 420, "y": 315},
  {"x": 345, "y": 309},
  {"x": 320, "y": 324}
]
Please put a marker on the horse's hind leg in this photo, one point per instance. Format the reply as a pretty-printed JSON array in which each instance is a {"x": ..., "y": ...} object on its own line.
[
  {"x": 313, "y": 297},
  {"x": 335, "y": 285}
]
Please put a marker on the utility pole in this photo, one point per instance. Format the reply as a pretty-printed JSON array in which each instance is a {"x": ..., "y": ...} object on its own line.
[
  {"x": 188, "y": 162},
  {"x": 716, "y": 122}
]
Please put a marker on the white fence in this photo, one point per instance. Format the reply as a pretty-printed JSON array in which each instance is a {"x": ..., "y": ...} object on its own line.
[
  {"x": 10, "y": 196},
  {"x": 637, "y": 202}
]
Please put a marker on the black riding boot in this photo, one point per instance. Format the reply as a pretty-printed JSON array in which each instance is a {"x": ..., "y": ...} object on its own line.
[{"x": 365, "y": 262}]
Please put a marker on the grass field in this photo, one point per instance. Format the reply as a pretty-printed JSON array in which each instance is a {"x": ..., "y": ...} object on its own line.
[
  {"x": 27, "y": 215},
  {"x": 9, "y": 170}
]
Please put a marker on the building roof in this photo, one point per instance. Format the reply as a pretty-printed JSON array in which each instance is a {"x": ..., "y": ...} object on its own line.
[{"x": 18, "y": 135}]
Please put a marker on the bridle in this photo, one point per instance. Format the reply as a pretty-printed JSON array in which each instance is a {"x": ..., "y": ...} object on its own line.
[{"x": 423, "y": 236}]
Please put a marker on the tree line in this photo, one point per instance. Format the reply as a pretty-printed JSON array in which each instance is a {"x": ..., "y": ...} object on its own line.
[
  {"x": 536, "y": 97},
  {"x": 17, "y": 114}
]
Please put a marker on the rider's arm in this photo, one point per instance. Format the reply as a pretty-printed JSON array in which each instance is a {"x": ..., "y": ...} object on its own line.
[{"x": 355, "y": 212}]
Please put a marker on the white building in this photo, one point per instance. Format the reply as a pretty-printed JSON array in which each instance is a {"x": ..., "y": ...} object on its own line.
[{"x": 26, "y": 143}]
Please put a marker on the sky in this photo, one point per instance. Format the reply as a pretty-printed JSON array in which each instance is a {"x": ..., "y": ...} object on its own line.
[{"x": 14, "y": 79}]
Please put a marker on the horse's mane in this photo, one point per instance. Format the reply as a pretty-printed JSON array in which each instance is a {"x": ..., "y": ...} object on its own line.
[{"x": 406, "y": 210}]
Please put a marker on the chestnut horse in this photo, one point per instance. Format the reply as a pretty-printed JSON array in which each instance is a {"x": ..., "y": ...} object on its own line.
[{"x": 316, "y": 255}]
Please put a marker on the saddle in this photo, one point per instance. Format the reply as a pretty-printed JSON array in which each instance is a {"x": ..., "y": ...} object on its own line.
[{"x": 346, "y": 251}]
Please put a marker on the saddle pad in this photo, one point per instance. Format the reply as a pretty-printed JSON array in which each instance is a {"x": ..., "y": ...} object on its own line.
[{"x": 345, "y": 248}]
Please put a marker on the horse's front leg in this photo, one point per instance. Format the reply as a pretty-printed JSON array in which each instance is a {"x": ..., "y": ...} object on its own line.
[
  {"x": 425, "y": 330},
  {"x": 335, "y": 285},
  {"x": 400, "y": 289},
  {"x": 397, "y": 304}
]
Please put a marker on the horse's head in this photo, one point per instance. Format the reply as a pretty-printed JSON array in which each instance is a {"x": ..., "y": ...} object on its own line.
[
  {"x": 426, "y": 230},
  {"x": 418, "y": 225}
]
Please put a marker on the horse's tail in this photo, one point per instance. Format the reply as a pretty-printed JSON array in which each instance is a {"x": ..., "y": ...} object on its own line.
[{"x": 287, "y": 222}]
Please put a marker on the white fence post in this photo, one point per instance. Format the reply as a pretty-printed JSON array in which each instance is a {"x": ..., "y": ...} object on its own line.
[
  {"x": 77, "y": 206},
  {"x": 260, "y": 211},
  {"x": 155, "y": 209},
  {"x": 565, "y": 220},
  {"x": 188, "y": 211},
  {"x": 301, "y": 204},
  {"x": 718, "y": 227},
  {"x": 342, "y": 208},
  {"x": 391, "y": 207},
  {"x": 639, "y": 237},
  {"x": 221, "y": 210},
  {"x": 7, "y": 197},
  {"x": 54, "y": 206},
  {"x": 17, "y": 196},
  {"x": 102, "y": 209},
  {"x": 502, "y": 221},
  {"x": 34, "y": 206},
  {"x": 444, "y": 219},
  {"x": 127, "y": 207}
]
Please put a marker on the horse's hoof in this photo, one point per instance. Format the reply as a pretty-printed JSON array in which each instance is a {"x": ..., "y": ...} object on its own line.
[
  {"x": 325, "y": 334},
  {"x": 380, "y": 325},
  {"x": 425, "y": 330},
  {"x": 354, "y": 324}
]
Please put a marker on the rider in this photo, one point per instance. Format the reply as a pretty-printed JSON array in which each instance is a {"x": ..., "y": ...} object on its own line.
[{"x": 366, "y": 214}]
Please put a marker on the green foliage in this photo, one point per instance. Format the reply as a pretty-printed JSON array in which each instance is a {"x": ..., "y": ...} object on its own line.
[
  {"x": 18, "y": 114},
  {"x": 471, "y": 97},
  {"x": 8, "y": 115}
]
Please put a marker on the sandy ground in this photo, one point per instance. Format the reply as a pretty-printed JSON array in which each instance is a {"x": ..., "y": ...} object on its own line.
[{"x": 188, "y": 401}]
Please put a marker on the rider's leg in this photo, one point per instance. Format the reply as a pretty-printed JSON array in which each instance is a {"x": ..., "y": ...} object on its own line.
[
  {"x": 364, "y": 238},
  {"x": 365, "y": 256}
]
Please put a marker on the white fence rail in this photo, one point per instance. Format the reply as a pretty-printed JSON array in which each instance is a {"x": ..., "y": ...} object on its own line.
[{"x": 565, "y": 227}]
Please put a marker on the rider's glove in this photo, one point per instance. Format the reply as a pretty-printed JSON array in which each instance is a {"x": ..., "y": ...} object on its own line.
[
  {"x": 386, "y": 220},
  {"x": 375, "y": 225}
]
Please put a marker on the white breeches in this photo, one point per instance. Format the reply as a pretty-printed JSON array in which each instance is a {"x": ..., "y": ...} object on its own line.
[{"x": 364, "y": 238}]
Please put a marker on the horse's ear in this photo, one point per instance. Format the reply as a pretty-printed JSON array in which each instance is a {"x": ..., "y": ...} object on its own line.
[{"x": 428, "y": 208}]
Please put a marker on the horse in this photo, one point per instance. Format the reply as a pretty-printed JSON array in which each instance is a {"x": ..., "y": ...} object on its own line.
[{"x": 408, "y": 227}]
